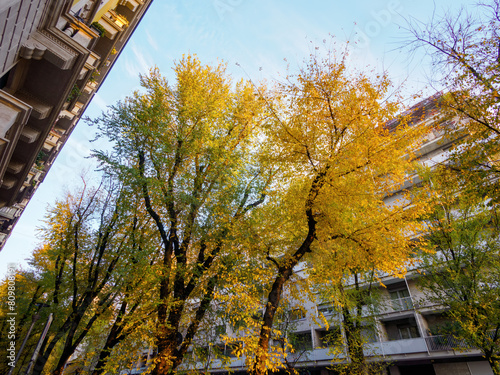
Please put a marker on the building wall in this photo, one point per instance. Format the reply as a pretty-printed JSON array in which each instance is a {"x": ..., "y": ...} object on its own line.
[
  {"x": 18, "y": 19},
  {"x": 53, "y": 58}
]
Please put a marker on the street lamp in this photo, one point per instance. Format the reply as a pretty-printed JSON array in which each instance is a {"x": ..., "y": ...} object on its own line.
[
  {"x": 33, "y": 321},
  {"x": 39, "y": 345}
]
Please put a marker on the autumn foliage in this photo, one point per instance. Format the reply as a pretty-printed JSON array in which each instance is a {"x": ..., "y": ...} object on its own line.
[{"x": 235, "y": 186}]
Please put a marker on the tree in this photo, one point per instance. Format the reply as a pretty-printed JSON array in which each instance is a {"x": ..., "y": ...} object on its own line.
[
  {"x": 338, "y": 163},
  {"x": 28, "y": 309},
  {"x": 191, "y": 150},
  {"x": 462, "y": 269},
  {"x": 88, "y": 244},
  {"x": 356, "y": 300},
  {"x": 298, "y": 345},
  {"x": 133, "y": 307},
  {"x": 465, "y": 51}
]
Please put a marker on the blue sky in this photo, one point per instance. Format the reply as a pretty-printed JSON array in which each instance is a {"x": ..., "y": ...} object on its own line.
[{"x": 258, "y": 35}]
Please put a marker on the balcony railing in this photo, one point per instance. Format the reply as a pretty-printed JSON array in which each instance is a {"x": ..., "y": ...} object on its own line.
[
  {"x": 397, "y": 304},
  {"x": 9, "y": 212},
  {"x": 401, "y": 304},
  {"x": 445, "y": 342}
]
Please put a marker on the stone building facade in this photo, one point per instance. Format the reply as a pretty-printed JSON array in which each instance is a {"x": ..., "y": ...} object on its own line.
[{"x": 54, "y": 54}]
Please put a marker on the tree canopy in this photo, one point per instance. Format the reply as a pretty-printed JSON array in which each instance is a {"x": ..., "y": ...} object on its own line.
[
  {"x": 338, "y": 163},
  {"x": 225, "y": 189},
  {"x": 190, "y": 150},
  {"x": 462, "y": 271}
]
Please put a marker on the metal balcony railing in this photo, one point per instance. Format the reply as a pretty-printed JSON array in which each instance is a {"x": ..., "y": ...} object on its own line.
[
  {"x": 402, "y": 304},
  {"x": 396, "y": 304},
  {"x": 445, "y": 342}
]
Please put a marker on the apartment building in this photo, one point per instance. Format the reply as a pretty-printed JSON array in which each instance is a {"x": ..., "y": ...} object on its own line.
[
  {"x": 54, "y": 54},
  {"x": 404, "y": 336}
]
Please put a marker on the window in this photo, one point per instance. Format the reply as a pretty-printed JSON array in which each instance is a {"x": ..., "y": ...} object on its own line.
[
  {"x": 401, "y": 300},
  {"x": 326, "y": 309},
  {"x": 402, "y": 329},
  {"x": 408, "y": 331},
  {"x": 232, "y": 348},
  {"x": 201, "y": 352},
  {"x": 301, "y": 341},
  {"x": 258, "y": 315},
  {"x": 332, "y": 337},
  {"x": 297, "y": 314},
  {"x": 220, "y": 329},
  {"x": 369, "y": 334},
  {"x": 218, "y": 350},
  {"x": 239, "y": 324},
  {"x": 143, "y": 361}
]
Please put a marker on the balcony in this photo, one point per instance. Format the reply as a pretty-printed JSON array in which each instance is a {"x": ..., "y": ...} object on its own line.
[
  {"x": 396, "y": 305},
  {"x": 407, "y": 346},
  {"x": 445, "y": 342},
  {"x": 9, "y": 212}
]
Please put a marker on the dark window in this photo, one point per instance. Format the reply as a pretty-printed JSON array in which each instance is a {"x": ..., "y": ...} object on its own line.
[
  {"x": 232, "y": 348},
  {"x": 297, "y": 314},
  {"x": 401, "y": 300},
  {"x": 332, "y": 337},
  {"x": 301, "y": 341},
  {"x": 408, "y": 331},
  {"x": 326, "y": 309},
  {"x": 369, "y": 334},
  {"x": 220, "y": 329},
  {"x": 201, "y": 352},
  {"x": 218, "y": 350},
  {"x": 239, "y": 324}
]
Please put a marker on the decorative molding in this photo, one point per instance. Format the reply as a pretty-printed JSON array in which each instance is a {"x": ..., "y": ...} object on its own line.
[
  {"x": 43, "y": 44},
  {"x": 32, "y": 50}
]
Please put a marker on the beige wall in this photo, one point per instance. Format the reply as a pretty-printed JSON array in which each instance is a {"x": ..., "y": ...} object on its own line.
[{"x": 17, "y": 20}]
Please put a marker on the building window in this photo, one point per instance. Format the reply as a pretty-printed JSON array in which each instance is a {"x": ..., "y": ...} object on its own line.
[
  {"x": 220, "y": 329},
  {"x": 401, "y": 300},
  {"x": 218, "y": 350},
  {"x": 258, "y": 316},
  {"x": 239, "y": 324},
  {"x": 369, "y": 334},
  {"x": 326, "y": 309},
  {"x": 201, "y": 352},
  {"x": 408, "y": 331},
  {"x": 297, "y": 314},
  {"x": 232, "y": 348},
  {"x": 402, "y": 329},
  {"x": 301, "y": 341},
  {"x": 332, "y": 337}
]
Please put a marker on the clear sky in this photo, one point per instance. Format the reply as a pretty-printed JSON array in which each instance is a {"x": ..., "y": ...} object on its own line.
[{"x": 258, "y": 35}]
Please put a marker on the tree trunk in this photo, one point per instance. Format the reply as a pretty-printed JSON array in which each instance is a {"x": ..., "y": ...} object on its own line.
[
  {"x": 358, "y": 364},
  {"x": 260, "y": 365},
  {"x": 284, "y": 273},
  {"x": 166, "y": 354},
  {"x": 166, "y": 338},
  {"x": 65, "y": 355}
]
